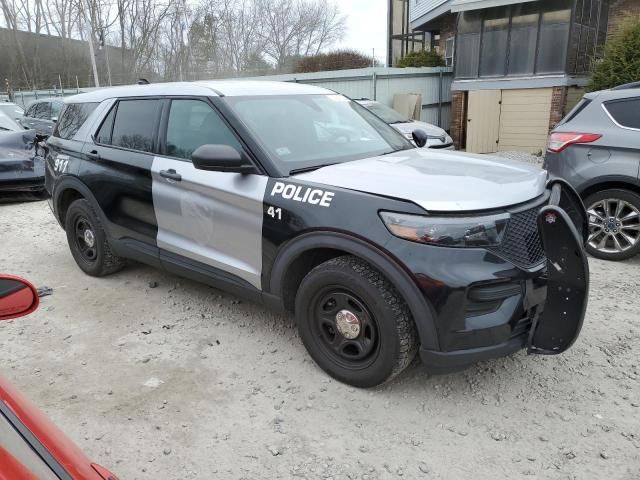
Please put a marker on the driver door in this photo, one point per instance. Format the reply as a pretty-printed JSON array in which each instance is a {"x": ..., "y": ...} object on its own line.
[{"x": 206, "y": 219}]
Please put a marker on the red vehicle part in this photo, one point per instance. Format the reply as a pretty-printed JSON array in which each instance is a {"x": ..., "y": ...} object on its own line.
[{"x": 50, "y": 444}]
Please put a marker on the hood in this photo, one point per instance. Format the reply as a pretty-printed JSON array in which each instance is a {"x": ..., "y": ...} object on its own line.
[
  {"x": 409, "y": 127},
  {"x": 438, "y": 181}
]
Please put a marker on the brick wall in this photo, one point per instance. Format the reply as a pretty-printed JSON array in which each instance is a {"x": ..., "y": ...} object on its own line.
[
  {"x": 558, "y": 104},
  {"x": 447, "y": 29},
  {"x": 619, "y": 10},
  {"x": 458, "y": 118}
]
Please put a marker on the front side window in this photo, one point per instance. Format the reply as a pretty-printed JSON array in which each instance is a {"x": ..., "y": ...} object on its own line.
[
  {"x": 306, "y": 131},
  {"x": 73, "y": 117},
  {"x": 42, "y": 110},
  {"x": 193, "y": 123},
  {"x": 625, "y": 112},
  {"x": 389, "y": 115},
  {"x": 134, "y": 124}
]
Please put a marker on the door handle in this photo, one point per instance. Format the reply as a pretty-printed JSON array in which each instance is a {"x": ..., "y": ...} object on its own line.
[
  {"x": 93, "y": 155},
  {"x": 171, "y": 174}
]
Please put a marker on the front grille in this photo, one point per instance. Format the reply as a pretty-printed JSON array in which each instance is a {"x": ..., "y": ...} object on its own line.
[
  {"x": 522, "y": 327},
  {"x": 522, "y": 244}
]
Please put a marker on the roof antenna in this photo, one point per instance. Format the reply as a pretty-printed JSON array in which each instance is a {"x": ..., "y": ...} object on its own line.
[{"x": 143, "y": 81}]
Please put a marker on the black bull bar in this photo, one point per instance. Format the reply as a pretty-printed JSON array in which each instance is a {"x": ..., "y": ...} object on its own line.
[{"x": 563, "y": 226}]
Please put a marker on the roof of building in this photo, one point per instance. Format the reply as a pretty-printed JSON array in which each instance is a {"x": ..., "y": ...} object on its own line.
[
  {"x": 221, "y": 88},
  {"x": 464, "y": 5}
]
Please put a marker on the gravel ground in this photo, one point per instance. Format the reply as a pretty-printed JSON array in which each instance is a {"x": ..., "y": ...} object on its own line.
[
  {"x": 157, "y": 377},
  {"x": 521, "y": 157}
]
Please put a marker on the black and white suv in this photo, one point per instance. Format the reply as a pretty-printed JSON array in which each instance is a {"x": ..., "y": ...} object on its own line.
[{"x": 300, "y": 198}]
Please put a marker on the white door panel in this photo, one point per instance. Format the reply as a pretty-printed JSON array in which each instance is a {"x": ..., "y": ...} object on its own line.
[{"x": 212, "y": 217}]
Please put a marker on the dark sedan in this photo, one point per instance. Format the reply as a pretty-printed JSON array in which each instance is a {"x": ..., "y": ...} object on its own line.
[{"x": 21, "y": 166}]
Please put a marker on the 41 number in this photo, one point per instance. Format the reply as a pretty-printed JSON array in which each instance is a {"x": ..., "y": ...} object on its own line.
[{"x": 274, "y": 212}]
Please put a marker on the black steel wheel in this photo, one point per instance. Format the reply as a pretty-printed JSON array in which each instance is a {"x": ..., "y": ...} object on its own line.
[
  {"x": 85, "y": 239},
  {"x": 346, "y": 327},
  {"x": 88, "y": 242},
  {"x": 354, "y": 323}
]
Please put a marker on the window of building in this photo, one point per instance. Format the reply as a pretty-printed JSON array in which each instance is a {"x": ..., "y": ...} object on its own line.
[
  {"x": 495, "y": 35},
  {"x": 449, "y": 51},
  {"x": 193, "y": 123},
  {"x": 625, "y": 112},
  {"x": 72, "y": 118},
  {"x": 523, "y": 39},
  {"x": 554, "y": 36},
  {"x": 468, "y": 43},
  {"x": 530, "y": 38}
]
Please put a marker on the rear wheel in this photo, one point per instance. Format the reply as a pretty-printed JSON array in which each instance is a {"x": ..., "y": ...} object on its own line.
[
  {"x": 88, "y": 242},
  {"x": 354, "y": 323},
  {"x": 614, "y": 224}
]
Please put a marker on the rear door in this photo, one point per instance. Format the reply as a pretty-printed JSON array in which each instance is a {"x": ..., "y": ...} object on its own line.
[
  {"x": 212, "y": 218},
  {"x": 117, "y": 170}
]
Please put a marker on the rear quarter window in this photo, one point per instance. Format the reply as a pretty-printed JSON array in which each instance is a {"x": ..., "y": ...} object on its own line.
[
  {"x": 575, "y": 111},
  {"x": 625, "y": 112},
  {"x": 72, "y": 118}
]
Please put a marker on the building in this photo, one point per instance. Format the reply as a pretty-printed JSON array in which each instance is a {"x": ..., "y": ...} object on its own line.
[
  {"x": 519, "y": 66},
  {"x": 401, "y": 39}
]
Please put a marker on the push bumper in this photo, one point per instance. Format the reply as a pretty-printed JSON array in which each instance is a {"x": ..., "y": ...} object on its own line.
[{"x": 555, "y": 302}]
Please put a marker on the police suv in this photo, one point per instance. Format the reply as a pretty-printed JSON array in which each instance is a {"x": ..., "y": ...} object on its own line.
[{"x": 300, "y": 198}]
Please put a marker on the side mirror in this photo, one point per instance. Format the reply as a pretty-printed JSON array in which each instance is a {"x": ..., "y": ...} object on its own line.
[
  {"x": 221, "y": 158},
  {"x": 420, "y": 137},
  {"x": 17, "y": 297}
]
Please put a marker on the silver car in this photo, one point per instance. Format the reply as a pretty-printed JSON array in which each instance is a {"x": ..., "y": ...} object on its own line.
[
  {"x": 436, "y": 136},
  {"x": 596, "y": 148}
]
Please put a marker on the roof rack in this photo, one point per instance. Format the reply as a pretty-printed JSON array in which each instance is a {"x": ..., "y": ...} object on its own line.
[{"x": 627, "y": 86}]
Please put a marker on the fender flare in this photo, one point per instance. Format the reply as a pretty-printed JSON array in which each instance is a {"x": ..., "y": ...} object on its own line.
[
  {"x": 69, "y": 182},
  {"x": 392, "y": 269}
]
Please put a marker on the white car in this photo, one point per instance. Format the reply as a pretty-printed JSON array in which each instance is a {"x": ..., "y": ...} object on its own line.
[
  {"x": 9, "y": 124},
  {"x": 437, "y": 137}
]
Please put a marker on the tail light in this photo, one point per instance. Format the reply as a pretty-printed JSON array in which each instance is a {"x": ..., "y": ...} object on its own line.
[{"x": 560, "y": 140}]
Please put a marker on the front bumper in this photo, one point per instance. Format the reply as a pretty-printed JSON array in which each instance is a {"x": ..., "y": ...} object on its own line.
[{"x": 487, "y": 307}]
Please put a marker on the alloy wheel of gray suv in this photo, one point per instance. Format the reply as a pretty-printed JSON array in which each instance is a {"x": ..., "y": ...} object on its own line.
[{"x": 614, "y": 224}]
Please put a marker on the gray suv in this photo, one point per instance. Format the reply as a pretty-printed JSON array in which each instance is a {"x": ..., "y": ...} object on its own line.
[
  {"x": 42, "y": 115},
  {"x": 596, "y": 148}
]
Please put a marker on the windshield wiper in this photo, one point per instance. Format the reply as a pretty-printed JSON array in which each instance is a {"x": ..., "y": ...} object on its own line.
[{"x": 309, "y": 169}]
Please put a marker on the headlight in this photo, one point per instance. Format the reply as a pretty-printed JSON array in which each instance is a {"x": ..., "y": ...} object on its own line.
[{"x": 483, "y": 231}]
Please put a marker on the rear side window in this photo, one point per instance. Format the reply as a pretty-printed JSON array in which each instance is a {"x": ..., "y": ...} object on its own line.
[
  {"x": 575, "y": 111},
  {"x": 134, "y": 124},
  {"x": 625, "y": 112},
  {"x": 73, "y": 117}
]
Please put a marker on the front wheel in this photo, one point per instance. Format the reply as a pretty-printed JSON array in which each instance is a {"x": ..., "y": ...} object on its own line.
[
  {"x": 354, "y": 323},
  {"x": 614, "y": 224}
]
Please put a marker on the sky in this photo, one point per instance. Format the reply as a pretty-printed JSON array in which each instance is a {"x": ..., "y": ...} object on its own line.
[{"x": 366, "y": 26}]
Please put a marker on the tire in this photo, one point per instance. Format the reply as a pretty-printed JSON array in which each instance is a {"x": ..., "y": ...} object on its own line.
[
  {"x": 386, "y": 340},
  {"x": 619, "y": 230},
  {"x": 94, "y": 258}
]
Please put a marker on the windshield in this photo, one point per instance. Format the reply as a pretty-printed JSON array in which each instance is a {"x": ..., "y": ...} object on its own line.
[
  {"x": 387, "y": 114},
  {"x": 307, "y": 131},
  {"x": 13, "y": 111}
]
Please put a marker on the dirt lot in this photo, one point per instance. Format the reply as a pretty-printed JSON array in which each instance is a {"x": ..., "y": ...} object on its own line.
[{"x": 183, "y": 381}]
